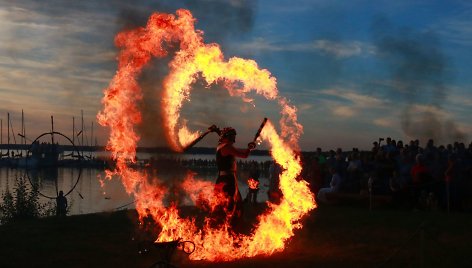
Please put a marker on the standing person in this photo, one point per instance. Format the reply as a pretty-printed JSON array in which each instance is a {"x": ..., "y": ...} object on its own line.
[
  {"x": 316, "y": 181},
  {"x": 253, "y": 184},
  {"x": 226, "y": 182},
  {"x": 375, "y": 149},
  {"x": 354, "y": 172},
  {"x": 61, "y": 204},
  {"x": 452, "y": 178},
  {"x": 274, "y": 193},
  {"x": 421, "y": 179}
]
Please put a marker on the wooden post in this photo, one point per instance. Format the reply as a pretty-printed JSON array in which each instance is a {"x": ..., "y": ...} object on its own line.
[
  {"x": 82, "y": 131},
  {"x": 370, "y": 184},
  {"x": 8, "y": 136},
  {"x": 422, "y": 246},
  {"x": 448, "y": 196}
]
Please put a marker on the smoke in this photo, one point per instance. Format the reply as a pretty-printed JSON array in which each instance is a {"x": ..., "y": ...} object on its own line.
[
  {"x": 419, "y": 71},
  {"x": 209, "y": 105},
  {"x": 221, "y": 19},
  {"x": 218, "y": 19},
  {"x": 151, "y": 131},
  {"x": 430, "y": 124}
]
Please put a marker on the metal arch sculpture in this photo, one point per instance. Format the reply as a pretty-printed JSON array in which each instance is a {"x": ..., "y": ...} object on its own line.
[{"x": 30, "y": 152}]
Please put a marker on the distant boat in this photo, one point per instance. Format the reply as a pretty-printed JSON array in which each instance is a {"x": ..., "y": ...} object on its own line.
[
  {"x": 46, "y": 154},
  {"x": 42, "y": 155}
]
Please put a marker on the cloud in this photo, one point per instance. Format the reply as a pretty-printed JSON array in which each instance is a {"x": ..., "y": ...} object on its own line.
[
  {"x": 358, "y": 100},
  {"x": 343, "y": 111},
  {"x": 342, "y": 50},
  {"x": 54, "y": 59},
  {"x": 305, "y": 106},
  {"x": 457, "y": 29},
  {"x": 384, "y": 122},
  {"x": 419, "y": 108},
  {"x": 460, "y": 99},
  {"x": 338, "y": 50},
  {"x": 361, "y": 109}
]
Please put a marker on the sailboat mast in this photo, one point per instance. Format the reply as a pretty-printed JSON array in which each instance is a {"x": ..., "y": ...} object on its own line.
[
  {"x": 23, "y": 132},
  {"x": 82, "y": 114},
  {"x": 91, "y": 136},
  {"x": 52, "y": 129},
  {"x": 82, "y": 144},
  {"x": 73, "y": 130},
  {"x": 8, "y": 137}
]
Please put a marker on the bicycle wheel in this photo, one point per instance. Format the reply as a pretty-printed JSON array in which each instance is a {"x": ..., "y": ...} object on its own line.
[{"x": 187, "y": 246}]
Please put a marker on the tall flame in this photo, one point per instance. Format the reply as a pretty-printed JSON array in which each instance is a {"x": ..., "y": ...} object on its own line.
[{"x": 194, "y": 58}]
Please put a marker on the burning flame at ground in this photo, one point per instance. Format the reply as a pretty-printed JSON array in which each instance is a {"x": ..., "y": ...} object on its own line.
[{"x": 120, "y": 114}]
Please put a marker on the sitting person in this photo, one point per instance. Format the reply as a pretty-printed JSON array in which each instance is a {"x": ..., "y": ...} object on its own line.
[{"x": 334, "y": 186}]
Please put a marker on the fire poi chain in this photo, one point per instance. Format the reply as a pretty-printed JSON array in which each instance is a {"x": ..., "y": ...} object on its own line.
[{"x": 120, "y": 113}]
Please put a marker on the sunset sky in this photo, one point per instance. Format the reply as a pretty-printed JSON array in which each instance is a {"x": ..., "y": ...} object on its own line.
[{"x": 356, "y": 70}]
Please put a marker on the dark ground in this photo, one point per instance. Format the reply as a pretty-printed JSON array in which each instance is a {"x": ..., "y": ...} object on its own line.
[{"x": 333, "y": 236}]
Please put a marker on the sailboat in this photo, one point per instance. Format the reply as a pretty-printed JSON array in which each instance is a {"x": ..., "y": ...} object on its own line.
[{"x": 28, "y": 161}]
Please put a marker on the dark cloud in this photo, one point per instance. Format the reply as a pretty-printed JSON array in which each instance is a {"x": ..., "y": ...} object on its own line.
[{"x": 420, "y": 71}]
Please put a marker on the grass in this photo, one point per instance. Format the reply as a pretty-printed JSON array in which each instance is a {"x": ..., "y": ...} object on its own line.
[{"x": 333, "y": 236}]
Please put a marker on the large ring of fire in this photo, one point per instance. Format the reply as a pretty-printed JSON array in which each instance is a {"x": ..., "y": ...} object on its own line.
[{"x": 194, "y": 57}]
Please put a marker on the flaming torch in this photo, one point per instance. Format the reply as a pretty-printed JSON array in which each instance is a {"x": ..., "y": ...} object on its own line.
[
  {"x": 258, "y": 133},
  {"x": 213, "y": 128}
]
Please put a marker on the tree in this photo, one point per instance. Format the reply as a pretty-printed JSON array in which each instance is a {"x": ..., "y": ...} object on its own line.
[{"x": 23, "y": 203}]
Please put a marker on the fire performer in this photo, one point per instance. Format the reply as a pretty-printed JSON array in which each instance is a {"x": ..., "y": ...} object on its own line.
[{"x": 226, "y": 182}]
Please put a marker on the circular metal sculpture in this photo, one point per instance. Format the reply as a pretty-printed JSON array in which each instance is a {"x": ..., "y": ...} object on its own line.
[{"x": 44, "y": 158}]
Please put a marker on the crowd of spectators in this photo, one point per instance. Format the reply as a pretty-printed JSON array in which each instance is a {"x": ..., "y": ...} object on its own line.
[{"x": 415, "y": 176}]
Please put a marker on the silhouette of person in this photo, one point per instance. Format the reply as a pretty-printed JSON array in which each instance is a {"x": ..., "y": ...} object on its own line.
[
  {"x": 226, "y": 182},
  {"x": 61, "y": 204},
  {"x": 253, "y": 183},
  {"x": 274, "y": 193},
  {"x": 334, "y": 186}
]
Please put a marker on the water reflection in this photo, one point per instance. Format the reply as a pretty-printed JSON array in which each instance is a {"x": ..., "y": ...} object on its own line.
[{"x": 85, "y": 193}]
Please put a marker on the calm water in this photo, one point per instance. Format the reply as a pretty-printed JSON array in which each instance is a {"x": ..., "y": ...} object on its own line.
[{"x": 89, "y": 196}]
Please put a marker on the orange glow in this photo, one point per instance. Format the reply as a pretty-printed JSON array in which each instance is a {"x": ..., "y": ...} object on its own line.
[
  {"x": 195, "y": 58},
  {"x": 252, "y": 183}
]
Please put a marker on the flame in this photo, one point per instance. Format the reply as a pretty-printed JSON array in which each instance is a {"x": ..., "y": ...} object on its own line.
[
  {"x": 240, "y": 76},
  {"x": 252, "y": 183}
]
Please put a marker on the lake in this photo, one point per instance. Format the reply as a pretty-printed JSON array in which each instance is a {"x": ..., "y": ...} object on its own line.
[{"x": 88, "y": 196}]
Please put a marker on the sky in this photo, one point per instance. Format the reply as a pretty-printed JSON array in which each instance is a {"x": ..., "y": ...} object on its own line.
[{"x": 355, "y": 70}]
